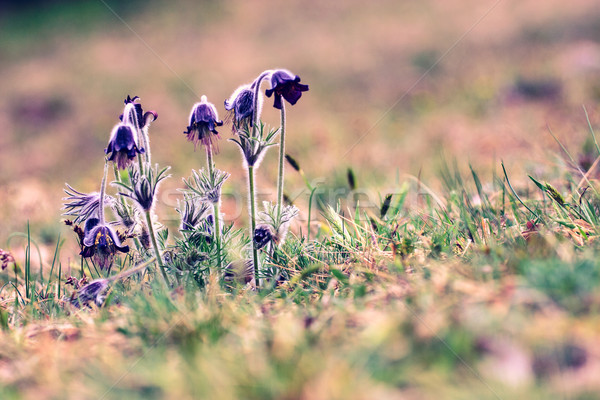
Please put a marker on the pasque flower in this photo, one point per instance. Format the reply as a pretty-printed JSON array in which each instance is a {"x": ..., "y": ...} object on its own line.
[
  {"x": 287, "y": 85},
  {"x": 135, "y": 115},
  {"x": 204, "y": 120},
  {"x": 101, "y": 242},
  {"x": 241, "y": 105},
  {"x": 275, "y": 223},
  {"x": 123, "y": 145},
  {"x": 263, "y": 234},
  {"x": 93, "y": 292}
]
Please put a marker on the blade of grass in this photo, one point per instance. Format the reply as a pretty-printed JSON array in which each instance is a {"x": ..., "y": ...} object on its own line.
[
  {"x": 587, "y": 117},
  {"x": 516, "y": 195}
]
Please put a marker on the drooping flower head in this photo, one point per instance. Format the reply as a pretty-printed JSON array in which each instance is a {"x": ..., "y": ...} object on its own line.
[
  {"x": 263, "y": 234},
  {"x": 241, "y": 106},
  {"x": 123, "y": 145},
  {"x": 101, "y": 242},
  {"x": 204, "y": 120},
  {"x": 135, "y": 115},
  {"x": 287, "y": 85}
]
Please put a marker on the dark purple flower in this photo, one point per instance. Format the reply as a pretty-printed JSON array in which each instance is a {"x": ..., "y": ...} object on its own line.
[
  {"x": 136, "y": 115},
  {"x": 101, "y": 242},
  {"x": 287, "y": 85},
  {"x": 123, "y": 145},
  {"x": 204, "y": 120},
  {"x": 241, "y": 106},
  {"x": 263, "y": 234}
]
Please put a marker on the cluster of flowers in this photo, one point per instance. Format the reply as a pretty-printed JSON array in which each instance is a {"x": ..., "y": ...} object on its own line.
[
  {"x": 129, "y": 150},
  {"x": 129, "y": 140}
]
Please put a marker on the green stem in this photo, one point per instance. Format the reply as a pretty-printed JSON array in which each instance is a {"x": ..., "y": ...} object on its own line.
[
  {"x": 281, "y": 161},
  {"x": 217, "y": 229},
  {"x": 27, "y": 261},
  {"x": 156, "y": 249},
  {"x": 253, "y": 222}
]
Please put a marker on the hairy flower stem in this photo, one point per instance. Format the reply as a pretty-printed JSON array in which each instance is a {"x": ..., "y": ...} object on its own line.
[
  {"x": 141, "y": 165},
  {"x": 257, "y": 82},
  {"x": 146, "y": 141},
  {"x": 118, "y": 179},
  {"x": 138, "y": 245},
  {"x": 159, "y": 259},
  {"x": 281, "y": 161},
  {"x": 102, "y": 190},
  {"x": 217, "y": 229},
  {"x": 251, "y": 189},
  {"x": 253, "y": 222}
]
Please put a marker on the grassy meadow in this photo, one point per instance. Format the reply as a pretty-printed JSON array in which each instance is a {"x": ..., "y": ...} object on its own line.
[{"x": 435, "y": 234}]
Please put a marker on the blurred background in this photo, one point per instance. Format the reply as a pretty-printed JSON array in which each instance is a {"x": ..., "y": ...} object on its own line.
[{"x": 395, "y": 87}]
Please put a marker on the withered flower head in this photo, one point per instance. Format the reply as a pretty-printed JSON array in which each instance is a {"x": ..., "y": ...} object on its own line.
[
  {"x": 287, "y": 85},
  {"x": 204, "y": 120},
  {"x": 123, "y": 145},
  {"x": 101, "y": 242}
]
